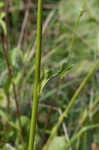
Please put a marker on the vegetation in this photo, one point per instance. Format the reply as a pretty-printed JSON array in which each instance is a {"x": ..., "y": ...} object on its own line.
[{"x": 63, "y": 81}]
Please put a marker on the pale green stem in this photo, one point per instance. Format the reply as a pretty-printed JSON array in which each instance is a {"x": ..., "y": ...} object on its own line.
[
  {"x": 37, "y": 76},
  {"x": 82, "y": 10}
]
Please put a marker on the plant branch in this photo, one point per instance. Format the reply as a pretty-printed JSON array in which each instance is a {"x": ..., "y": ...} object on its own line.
[
  {"x": 23, "y": 25},
  {"x": 37, "y": 76}
]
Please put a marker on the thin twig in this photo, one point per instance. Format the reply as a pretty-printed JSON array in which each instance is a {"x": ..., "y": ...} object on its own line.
[
  {"x": 31, "y": 6},
  {"x": 23, "y": 25},
  {"x": 65, "y": 128},
  {"x": 5, "y": 47},
  {"x": 6, "y": 54},
  {"x": 48, "y": 106}
]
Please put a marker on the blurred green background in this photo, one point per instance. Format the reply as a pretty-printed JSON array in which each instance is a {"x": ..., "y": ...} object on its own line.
[{"x": 69, "y": 39}]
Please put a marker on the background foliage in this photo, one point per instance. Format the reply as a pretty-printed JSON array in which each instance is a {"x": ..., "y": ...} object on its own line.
[{"x": 62, "y": 71}]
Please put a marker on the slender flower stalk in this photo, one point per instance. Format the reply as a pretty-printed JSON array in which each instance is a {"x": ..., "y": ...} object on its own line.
[{"x": 37, "y": 76}]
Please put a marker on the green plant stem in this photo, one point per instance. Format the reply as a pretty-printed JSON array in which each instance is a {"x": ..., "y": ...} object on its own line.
[
  {"x": 64, "y": 115},
  {"x": 82, "y": 10},
  {"x": 36, "y": 91}
]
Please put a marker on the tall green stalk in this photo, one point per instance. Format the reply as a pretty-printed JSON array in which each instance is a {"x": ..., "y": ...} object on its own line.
[{"x": 37, "y": 76}]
